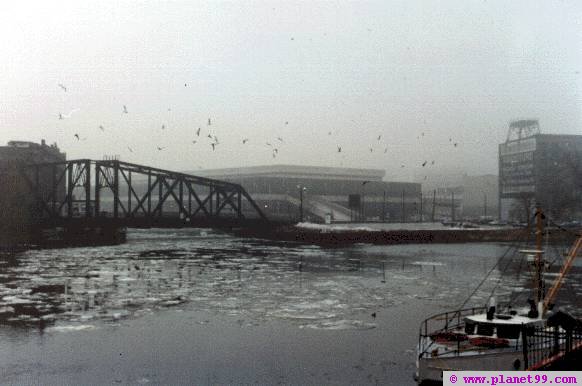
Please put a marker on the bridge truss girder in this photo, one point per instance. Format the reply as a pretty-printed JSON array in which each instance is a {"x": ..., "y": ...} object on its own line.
[{"x": 79, "y": 188}]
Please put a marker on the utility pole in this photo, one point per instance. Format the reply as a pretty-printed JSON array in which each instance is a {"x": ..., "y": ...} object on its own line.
[
  {"x": 301, "y": 190},
  {"x": 402, "y": 211},
  {"x": 421, "y": 206},
  {"x": 452, "y": 206},
  {"x": 384, "y": 208},
  {"x": 433, "y": 204}
]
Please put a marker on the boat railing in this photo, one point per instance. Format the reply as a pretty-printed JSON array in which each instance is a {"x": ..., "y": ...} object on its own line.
[
  {"x": 542, "y": 347},
  {"x": 442, "y": 323}
]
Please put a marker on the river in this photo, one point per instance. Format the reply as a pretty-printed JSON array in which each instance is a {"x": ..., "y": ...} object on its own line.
[{"x": 192, "y": 306}]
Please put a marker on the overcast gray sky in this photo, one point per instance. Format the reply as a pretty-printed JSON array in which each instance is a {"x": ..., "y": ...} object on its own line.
[{"x": 423, "y": 75}]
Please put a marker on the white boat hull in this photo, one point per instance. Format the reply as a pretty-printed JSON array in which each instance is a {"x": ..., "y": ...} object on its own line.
[{"x": 431, "y": 369}]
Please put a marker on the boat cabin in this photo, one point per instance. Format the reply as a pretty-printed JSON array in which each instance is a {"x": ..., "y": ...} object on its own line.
[{"x": 503, "y": 326}]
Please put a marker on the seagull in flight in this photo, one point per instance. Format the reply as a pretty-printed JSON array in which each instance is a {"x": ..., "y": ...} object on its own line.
[
  {"x": 64, "y": 116},
  {"x": 213, "y": 146},
  {"x": 424, "y": 163},
  {"x": 130, "y": 150},
  {"x": 161, "y": 148},
  {"x": 163, "y": 127},
  {"x": 209, "y": 122},
  {"x": 380, "y": 136},
  {"x": 286, "y": 122},
  {"x": 385, "y": 150},
  {"x": 63, "y": 87},
  {"x": 194, "y": 142},
  {"x": 77, "y": 136},
  {"x": 339, "y": 149},
  {"x": 280, "y": 139},
  {"x": 198, "y": 132},
  {"x": 245, "y": 140},
  {"x": 125, "y": 109},
  {"x": 101, "y": 127}
]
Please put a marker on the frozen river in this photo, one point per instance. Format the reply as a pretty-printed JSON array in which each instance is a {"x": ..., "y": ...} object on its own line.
[{"x": 194, "y": 306}]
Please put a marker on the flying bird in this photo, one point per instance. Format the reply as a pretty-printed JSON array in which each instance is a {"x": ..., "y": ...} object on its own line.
[
  {"x": 380, "y": 136},
  {"x": 213, "y": 146},
  {"x": 245, "y": 140},
  {"x": 63, "y": 87},
  {"x": 455, "y": 144},
  {"x": 77, "y": 136},
  {"x": 209, "y": 122},
  {"x": 286, "y": 122},
  {"x": 209, "y": 136},
  {"x": 194, "y": 142},
  {"x": 385, "y": 150},
  {"x": 329, "y": 133},
  {"x": 424, "y": 163},
  {"x": 365, "y": 182},
  {"x": 185, "y": 84},
  {"x": 163, "y": 127},
  {"x": 268, "y": 144},
  {"x": 129, "y": 148},
  {"x": 371, "y": 150},
  {"x": 339, "y": 149},
  {"x": 125, "y": 109},
  {"x": 161, "y": 148},
  {"x": 432, "y": 163},
  {"x": 280, "y": 139},
  {"x": 101, "y": 127},
  {"x": 198, "y": 132},
  {"x": 63, "y": 116}
]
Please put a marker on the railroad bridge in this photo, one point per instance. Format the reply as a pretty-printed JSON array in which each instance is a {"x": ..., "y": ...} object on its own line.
[{"x": 112, "y": 193}]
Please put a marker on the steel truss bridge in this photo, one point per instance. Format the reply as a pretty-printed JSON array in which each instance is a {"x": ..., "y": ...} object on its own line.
[{"x": 126, "y": 194}]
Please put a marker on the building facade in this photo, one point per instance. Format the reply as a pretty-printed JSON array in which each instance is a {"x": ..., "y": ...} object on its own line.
[
  {"x": 341, "y": 194},
  {"x": 540, "y": 169},
  {"x": 15, "y": 196}
]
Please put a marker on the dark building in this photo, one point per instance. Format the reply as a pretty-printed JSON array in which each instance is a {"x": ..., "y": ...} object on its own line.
[
  {"x": 539, "y": 169},
  {"x": 341, "y": 194},
  {"x": 15, "y": 196}
]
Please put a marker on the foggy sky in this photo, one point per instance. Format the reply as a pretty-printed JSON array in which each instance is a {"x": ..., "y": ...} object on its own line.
[{"x": 457, "y": 71}]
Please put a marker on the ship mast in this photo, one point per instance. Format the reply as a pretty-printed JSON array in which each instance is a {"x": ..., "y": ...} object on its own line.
[
  {"x": 538, "y": 280},
  {"x": 560, "y": 279}
]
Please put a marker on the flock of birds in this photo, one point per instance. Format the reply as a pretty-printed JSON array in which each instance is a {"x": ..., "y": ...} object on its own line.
[{"x": 213, "y": 141}]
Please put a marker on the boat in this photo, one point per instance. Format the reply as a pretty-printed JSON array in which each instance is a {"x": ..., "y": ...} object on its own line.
[{"x": 489, "y": 337}]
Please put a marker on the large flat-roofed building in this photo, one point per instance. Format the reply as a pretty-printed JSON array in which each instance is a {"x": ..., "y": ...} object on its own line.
[
  {"x": 15, "y": 195},
  {"x": 345, "y": 194},
  {"x": 539, "y": 169}
]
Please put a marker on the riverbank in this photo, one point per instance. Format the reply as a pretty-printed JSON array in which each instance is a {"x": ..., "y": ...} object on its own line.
[{"x": 337, "y": 236}]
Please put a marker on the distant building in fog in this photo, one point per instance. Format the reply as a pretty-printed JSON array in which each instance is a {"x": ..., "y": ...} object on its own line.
[
  {"x": 16, "y": 198},
  {"x": 472, "y": 197},
  {"x": 345, "y": 194},
  {"x": 543, "y": 169}
]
